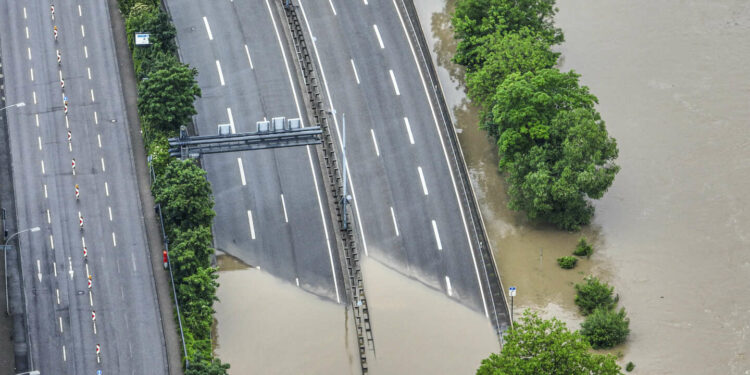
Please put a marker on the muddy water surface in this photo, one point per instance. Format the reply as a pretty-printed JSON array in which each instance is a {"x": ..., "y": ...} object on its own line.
[{"x": 673, "y": 232}]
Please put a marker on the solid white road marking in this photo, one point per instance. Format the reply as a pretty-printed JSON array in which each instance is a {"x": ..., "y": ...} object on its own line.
[
  {"x": 83, "y": 32},
  {"x": 231, "y": 119},
  {"x": 332, "y": 8},
  {"x": 395, "y": 225},
  {"x": 242, "y": 171},
  {"x": 208, "y": 29},
  {"x": 114, "y": 240},
  {"x": 283, "y": 206},
  {"x": 393, "y": 79},
  {"x": 445, "y": 153},
  {"x": 109, "y": 208},
  {"x": 43, "y": 167},
  {"x": 250, "y": 220},
  {"x": 355, "y": 71},
  {"x": 88, "y": 69},
  {"x": 375, "y": 142},
  {"x": 45, "y": 190},
  {"x": 377, "y": 33},
  {"x": 86, "y": 51},
  {"x": 106, "y": 188},
  {"x": 448, "y": 286},
  {"x": 103, "y": 168},
  {"x": 421, "y": 178},
  {"x": 437, "y": 235},
  {"x": 221, "y": 75},
  {"x": 247, "y": 52}
]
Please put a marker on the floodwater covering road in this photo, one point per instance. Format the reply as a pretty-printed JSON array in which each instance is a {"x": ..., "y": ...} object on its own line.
[{"x": 672, "y": 234}]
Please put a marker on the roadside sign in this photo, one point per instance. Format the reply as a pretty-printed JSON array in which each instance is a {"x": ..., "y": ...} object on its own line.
[
  {"x": 141, "y": 39},
  {"x": 512, "y": 291}
]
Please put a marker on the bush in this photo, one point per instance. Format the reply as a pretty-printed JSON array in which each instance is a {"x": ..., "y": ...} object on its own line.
[
  {"x": 594, "y": 294},
  {"x": 606, "y": 328},
  {"x": 583, "y": 249},
  {"x": 629, "y": 367},
  {"x": 567, "y": 262}
]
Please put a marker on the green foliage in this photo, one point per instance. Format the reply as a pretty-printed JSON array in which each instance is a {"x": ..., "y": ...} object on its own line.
[
  {"x": 605, "y": 328},
  {"x": 184, "y": 195},
  {"x": 201, "y": 366},
  {"x": 166, "y": 96},
  {"x": 567, "y": 262},
  {"x": 583, "y": 249},
  {"x": 475, "y": 20},
  {"x": 191, "y": 249},
  {"x": 126, "y": 5},
  {"x": 630, "y": 367},
  {"x": 537, "y": 346},
  {"x": 148, "y": 18},
  {"x": 594, "y": 294}
]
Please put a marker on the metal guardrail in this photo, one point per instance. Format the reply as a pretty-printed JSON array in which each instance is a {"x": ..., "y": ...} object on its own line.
[{"x": 351, "y": 264}]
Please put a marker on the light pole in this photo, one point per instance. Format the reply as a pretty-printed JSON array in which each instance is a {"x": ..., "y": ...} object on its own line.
[
  {"x": 5, "y": 262},
  {"x": 21, "y": 104}
]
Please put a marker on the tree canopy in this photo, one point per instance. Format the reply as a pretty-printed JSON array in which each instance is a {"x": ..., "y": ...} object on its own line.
[
  {"x": 538, "y": 346},
  {"x": 184, "y": 195},
  {"x": 605, "y": 328},
  {"x": 594, "y": 294},
  {"x": 166, "y": 96}
]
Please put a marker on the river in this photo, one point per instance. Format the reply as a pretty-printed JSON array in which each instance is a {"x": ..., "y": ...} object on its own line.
[{"x": 673, "y": 231}]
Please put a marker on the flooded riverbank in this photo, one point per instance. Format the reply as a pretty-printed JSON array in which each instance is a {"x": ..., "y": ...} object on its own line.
[{"x": 672, "y": 233}]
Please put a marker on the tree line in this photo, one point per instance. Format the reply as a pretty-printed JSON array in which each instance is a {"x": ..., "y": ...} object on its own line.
[
  {"x": 553, "y": 145},
  {"x": 167, "y": 90}
]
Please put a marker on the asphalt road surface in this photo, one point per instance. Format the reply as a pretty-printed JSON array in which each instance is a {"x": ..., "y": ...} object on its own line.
[
  {"x": 406, "y": 197},
  {"x": 271, "y": 209},
  {"x": 61, "y": 305}
]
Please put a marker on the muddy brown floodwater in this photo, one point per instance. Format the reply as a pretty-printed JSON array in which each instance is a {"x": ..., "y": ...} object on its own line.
[{"x": 672, "y": 234}]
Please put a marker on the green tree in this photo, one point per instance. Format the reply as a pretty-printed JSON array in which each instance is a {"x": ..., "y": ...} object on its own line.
[
  {"x": 148, "y": 18},
  {"x": 201, "y": 366},
  {"x": 507, "y": 53},
  {"x": 166, "y": 97},
  {"x": 594, "y": 294},
  {"x": 184, "y": 195},
  {"x": 474, "y": 20},
  {"x": 191, "y": 249},
  {"x": 538, "y": 346},
  {"x": 606, "y": 328}
]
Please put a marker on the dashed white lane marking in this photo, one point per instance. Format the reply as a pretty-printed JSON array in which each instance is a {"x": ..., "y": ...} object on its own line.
[
  {"x": 43, "y": 167},
  {"x": 99, "y": 140},
  {"x": 132, "y": 259},
  {"x": 221, "y": 75},
  {"x": 27, "y": 32},
  {"x": 250, "y": 220},
  {"x": 375, "y": 142},
  {"x": 356, "y": 76},
  {"x": 242, "y": 172},
  {"x": 393, "y": 79},
  {"x": 57, "y": 292},
  {"x": 51, "y": 242},
  {"x": 377, "y": 33},
  {"x": 87, "y": 271},
  {"x": 448, "y": 286},
  {"x": 67, "y": 124},
  {"x": 95, "y": 334},
  {"x": 92, "y": 95},
  {"x": 28, "y": 49},
  {"x": 365, "y": 2},
  {"x": 408, "y": 130},
  {"x": 49, "y": 218},
  {"x": 59, "y": 319},
  {"x": 395, "y": 225},
  {"x": 247, "y": 52},
  {"x": 33, "y": 94},
  {"x": 31, "y": 73},
  {"x": 231, "y": 119},
  {"x": 114, "y": 240},
  {"x": 54, "y": 268},
  {"x": 39, "y": 270},
  {"x": 65, "y": 356},
  {"x": 103, "y": 168},
  {"x": 91, "y": 299},
  {"x": 59, "y": 73},
  {"x": 96, "y": 118},
  {"x": 86, "y": 51},
  {"x": 88, "y": 70},
  {"x": 24, "y": 12},
  {"x": 106, "y": 188},
  {"x": 297, "y": 280},
  {"x": 83, "y": 244},
  {"x": 208, "y": 29},
  {"x": 80, "y": 14},
  {"x": 421, "y": 178},
  {"x": 45, "y": 191},
  {"x": 283, "y": 206},
  {"x": 36, "y": 118},
  {"x": 70, "y": 146},
  {"x": 83, "y": 32},
  {"x": 445, "y": 153},
  {"x": 332, "y": 8},
  {"x": 109, "y": 208},
  {"x": 39, "y": 139},
  {"x": 437, "y": 235}
]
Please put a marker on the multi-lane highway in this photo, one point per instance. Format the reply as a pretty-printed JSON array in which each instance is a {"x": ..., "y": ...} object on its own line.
[
  {"x": 89, "y": 287},
  {"x": 406, "y": 198},
  {"x": 271, "y": 208}
]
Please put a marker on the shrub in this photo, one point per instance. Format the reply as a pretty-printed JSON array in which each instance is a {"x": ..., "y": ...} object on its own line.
[
  {"x": 606, "y": 328},
  {"x": 567, "y": 262},
  {"x": 583, "y": 249},
  {"x": 594, "y": 294},
  {"x": 629, "y": 367}
]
